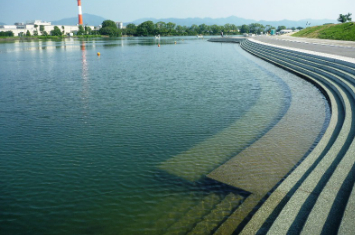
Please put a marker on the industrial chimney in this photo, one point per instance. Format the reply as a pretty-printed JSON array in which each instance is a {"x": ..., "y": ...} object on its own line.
[{"x": 80, "y": 13}]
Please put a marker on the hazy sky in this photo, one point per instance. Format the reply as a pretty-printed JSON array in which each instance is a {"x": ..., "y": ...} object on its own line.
[{"x": 12, "y": 11}]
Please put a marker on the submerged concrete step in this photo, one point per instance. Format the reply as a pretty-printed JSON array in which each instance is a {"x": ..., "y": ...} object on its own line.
[
  {"x": 200, "y": 160},
  {"x": 262, "y": 165},
  {"x": 173, "y": 211},
  {"x": 194, "y": 215},
  {"x": 217, "y": 215}
]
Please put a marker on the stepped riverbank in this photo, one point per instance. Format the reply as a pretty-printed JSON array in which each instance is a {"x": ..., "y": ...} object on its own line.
[{"x": 317, "y": 196}]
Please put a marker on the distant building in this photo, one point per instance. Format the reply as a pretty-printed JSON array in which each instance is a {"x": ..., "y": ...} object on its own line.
[
  {"x": 20, "y": 28},
  {"x": 7, "y": 27},
  {"x": 119, "y": 25},
  {"x": 38, "y": 22}
]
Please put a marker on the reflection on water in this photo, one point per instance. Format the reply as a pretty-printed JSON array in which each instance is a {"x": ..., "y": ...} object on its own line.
[
  {"x": 84, "y": 62},
  {"x": 82, "y": 135},
  {"x": 86, "y": 85}
]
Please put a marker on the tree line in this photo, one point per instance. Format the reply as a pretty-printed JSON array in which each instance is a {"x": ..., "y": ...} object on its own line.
[
  {"x": 7, "y": 34},
  {"x": 149, "y": 28}
]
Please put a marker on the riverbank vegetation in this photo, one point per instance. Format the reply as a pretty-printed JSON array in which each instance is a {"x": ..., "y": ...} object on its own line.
[
  {"x": 149, "y": 28},
  {"x": 345, "y": 31},
  {"x": 6, "y": 34}
]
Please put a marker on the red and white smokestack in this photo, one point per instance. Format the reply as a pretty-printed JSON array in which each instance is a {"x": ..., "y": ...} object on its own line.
[{"x": 80, "y": 13}]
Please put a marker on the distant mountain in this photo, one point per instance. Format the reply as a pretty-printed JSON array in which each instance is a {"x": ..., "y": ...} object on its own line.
[
  {"x": 95, "y": 20},
  {"x": 88, "y": 19},
  {"x": 234, "y": 20}
]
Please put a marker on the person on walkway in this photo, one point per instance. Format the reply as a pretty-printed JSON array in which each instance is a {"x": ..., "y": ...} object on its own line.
[{"x": 222, "y": 34}]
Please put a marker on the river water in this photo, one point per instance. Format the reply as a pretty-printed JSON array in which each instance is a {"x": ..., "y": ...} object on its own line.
[{"x": 83, "y": 136}]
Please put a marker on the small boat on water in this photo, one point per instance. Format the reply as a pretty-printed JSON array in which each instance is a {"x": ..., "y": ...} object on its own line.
[
  {"x": 200, "y": 36},
  {"x": 157, "y": 37}
]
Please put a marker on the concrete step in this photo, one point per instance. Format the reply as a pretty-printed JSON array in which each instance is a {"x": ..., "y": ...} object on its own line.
[
  {"x": 305, "y": 201},
  {"x": 197, "y": 162},
  {"x": 211, "y": 221},
  {"x": 348, "y": 220},
  {"x": 194, "y": 215},
  {"x": 173, "y": 211},
  {"x": 331, "y": 61},
  {"x": 347, "y": 70},
  {"x": 265, "y": 163}
]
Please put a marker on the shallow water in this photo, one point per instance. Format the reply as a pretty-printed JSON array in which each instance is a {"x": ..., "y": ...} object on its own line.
[{"x": 82, "y": 135}]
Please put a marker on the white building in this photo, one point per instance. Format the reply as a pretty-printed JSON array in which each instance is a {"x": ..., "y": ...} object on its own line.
[
  {"x": 21, "y": 28},
  {"x": 38, "y": 22},
  {"x": 119, "y": 25},
  {"x": 7, "y": 27}
]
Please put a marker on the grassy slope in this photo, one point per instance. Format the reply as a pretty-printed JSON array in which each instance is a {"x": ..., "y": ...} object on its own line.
[{"x": 344, "y": 31}]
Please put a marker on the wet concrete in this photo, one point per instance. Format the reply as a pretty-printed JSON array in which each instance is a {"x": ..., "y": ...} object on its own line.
[{"x": 261, "y": 166}]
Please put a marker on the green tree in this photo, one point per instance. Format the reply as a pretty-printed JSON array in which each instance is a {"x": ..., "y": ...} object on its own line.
[
  {"x": 81, "y": 30},
  {"x": 181, "y": 29},
  {"x": 63, "y": 32},
  {"x": 7, "y": 34},
  {"x": 171, "y": 27},
  {"x": 256, "y": 28},
  {"x": 87, "y": 30},
  {"x": 344, "y": 18},
  {"x": 160, "y": 28},
  {"x": 109, "y": 28},
  {"x": 56, "y": 31},
  {"x": 44, "y": 33},
  {"x": 230, "y": 28},
  {"x": 244, "y": 29},
  {"x": 146, "y": 28},
  {"x": 108, "y": 23},
  {"x": 216, "y": 29},
  {"x": 279, "y": 28},
  {"x": 110, "y": 31},
  {"x": 28, "y": 34},
  {"x": 299, "y": 28},
  {"x": 131, "y": 29},
  {"x": 193, "y": 30},
  {"x": 41, "y": 29},
  {"x": 348, "y": 16},
  {"x": 204, "y": 29}
]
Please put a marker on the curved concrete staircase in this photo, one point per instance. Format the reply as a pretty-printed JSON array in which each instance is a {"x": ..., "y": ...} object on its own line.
[{"x": 318, "y": 197}]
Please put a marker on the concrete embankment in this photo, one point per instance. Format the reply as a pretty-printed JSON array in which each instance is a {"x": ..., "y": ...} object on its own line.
[
  {"x": 317, "y": 197},
  {"x": 227, "y": 39}
]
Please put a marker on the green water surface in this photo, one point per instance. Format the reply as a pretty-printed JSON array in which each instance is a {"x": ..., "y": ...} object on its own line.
[{"x": 82, "y": 135}]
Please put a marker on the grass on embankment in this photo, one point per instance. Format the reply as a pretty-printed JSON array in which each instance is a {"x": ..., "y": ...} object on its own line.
[{"x": 345, "y": 31}]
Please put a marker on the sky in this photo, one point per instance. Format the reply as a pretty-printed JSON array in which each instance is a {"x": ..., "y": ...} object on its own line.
[{"x": 12, "y": 11}]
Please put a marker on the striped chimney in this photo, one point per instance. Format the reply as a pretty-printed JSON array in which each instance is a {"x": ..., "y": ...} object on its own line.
[{"x": 80, "y": 13}]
